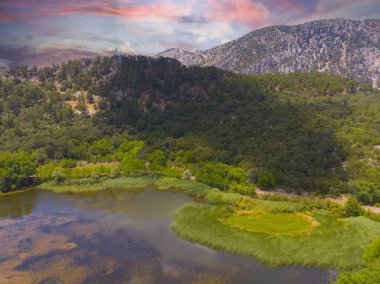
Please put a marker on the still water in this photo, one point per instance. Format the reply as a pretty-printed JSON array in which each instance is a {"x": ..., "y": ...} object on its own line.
[{"x": 117, "y": 237}]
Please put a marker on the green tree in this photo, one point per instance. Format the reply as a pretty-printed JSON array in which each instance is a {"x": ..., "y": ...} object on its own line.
[
  {"x": 266, "y": 180},
  {"x": 220, "y": 175},
  {"x": 16, "y": 170},
  {"x": 156, "y": 160},
  {"x": 101, "y": 147}
]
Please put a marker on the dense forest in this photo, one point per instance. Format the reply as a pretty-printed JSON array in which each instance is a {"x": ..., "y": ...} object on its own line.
[{"x": 137, "y": 115}]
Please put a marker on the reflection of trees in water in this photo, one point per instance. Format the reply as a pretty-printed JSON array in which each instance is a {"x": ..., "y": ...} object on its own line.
[
  {"x": 18, "y": 205},
  {"x": 106, "y": 201}
]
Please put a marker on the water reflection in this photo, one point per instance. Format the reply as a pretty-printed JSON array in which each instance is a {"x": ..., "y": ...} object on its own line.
[
  {"x": 116, "y": 237},
  {"x": 14, "y": 206}
]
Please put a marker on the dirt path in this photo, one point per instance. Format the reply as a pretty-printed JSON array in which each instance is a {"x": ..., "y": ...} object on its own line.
[{"x": 372, "y": 208}]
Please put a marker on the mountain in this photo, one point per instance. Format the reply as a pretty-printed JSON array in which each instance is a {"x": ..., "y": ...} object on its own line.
[{"x": 339, "y": 46}]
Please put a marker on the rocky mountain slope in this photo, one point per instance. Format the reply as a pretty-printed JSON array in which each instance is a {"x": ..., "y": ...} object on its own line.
[{"x": 342, "y": 47}]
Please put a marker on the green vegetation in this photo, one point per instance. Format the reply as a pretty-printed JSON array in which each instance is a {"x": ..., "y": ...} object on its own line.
[
  {"x": 334, "y": 243},
  {"x": 157, "y": 121},
  {"x": 370, "y": 274},
  {"x": 274, "y": 224},
  {"x": 301, "y": 132},
  {"x": 16, "y": 170},
  {"x": 90, "y": 184},
  {"x": 220, "y": 175},
  {"x": 353, "y": 208},
  {"x": 300, "y": 231},
  {"x": 199, "y": 190},
  {"x": 367, "y": 192}
]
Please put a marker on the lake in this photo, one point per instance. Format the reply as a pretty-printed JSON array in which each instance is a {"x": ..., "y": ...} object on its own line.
[{"x": 117, "y": 237}]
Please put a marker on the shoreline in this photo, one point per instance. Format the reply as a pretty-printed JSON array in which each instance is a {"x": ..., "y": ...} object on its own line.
[{"x": 194, "y": 223}]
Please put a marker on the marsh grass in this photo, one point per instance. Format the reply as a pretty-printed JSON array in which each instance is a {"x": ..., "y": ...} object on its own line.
[
  {"x": 92, "y": 185},
  {"x": 275, "y": 224},
  {"x": 335, "y": 243},
  {"x": 280, "y": 206},
  {"x": 192, "y": 188}
]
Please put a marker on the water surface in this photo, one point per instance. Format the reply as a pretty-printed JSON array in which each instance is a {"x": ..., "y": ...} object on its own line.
[{"x": 117, "y": 237}]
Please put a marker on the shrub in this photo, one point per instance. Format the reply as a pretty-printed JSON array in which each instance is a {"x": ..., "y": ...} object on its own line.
[
  {"x": 187, "y": 174},
  {"x": 115, "y": 173},
  {"x": 367, "y": 192},
  {"x": 353, "y": 208},
  {"x": 16, "y": 170},
  {"x": 58, "y": 176},
  {"x": 45, "y": 172},
  {"x": 220, "y": 175},
  {"x": 242, "y": 189},
  {"x": 266, "y": 180},
  {"x": 274, "y": 197}
]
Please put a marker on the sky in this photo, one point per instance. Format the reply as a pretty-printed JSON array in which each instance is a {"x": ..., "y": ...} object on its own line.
[{"x": 56, "y": 29}]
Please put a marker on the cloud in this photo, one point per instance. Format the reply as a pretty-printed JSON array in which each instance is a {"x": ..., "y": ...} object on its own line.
[
  {"x": 12, "y": 11},
  {"x": 246, "y": 12},
  {"x": 211, "y": 30},
  {"x": 224, "y": 40},
  {"x": 178, "y": 44},
  {"x": 146, "y": 26},
  {"x": 193, "y": 19},
  {"x": 292, "y": 6},
  {"x": 108, "y": 40},
  {"x": 128, "y": 48},
  {"x": 352, "y": 9}
]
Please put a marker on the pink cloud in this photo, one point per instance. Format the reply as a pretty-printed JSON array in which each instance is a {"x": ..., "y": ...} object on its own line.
[
  {"x": 295, "y": 6},
  {"x": 244, "y": 12},
  {"x": 24, "y": 9}
]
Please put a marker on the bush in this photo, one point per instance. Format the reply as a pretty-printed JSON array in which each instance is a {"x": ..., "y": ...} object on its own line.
[
  {"x": 45, "y": 172},
  {"x": 242, "y": 189},
  {"x": 367, "y": 192},
  {"x": 16, "y": 170},
  {"x": 220, "y": 175},
  {"x": 58, "y": 176},
  {"x": 266, "y": 180},
  {"x": 115, "y": 173},
  {"x": 353, "y": 208},
  {"x": 67, "y": 163},
  {"x": 274, "y": 197},
  {"x": 187, "y": 174}
]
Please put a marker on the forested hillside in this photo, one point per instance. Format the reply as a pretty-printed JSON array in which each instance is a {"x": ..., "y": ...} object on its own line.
[{"x": 301, "y": 131}]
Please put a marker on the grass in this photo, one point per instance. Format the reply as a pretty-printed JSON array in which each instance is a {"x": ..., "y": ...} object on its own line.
[
  {"x": 91, "y": 185},
  {"x": 335, "y": 243},
  {"x": 192, "y": 188},
  {"x": 200, "y": 190},
  {"x": 275, "y": 224}
]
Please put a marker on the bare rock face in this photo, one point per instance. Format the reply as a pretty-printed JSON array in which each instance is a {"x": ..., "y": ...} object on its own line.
[{"x": 341, "y": 47}]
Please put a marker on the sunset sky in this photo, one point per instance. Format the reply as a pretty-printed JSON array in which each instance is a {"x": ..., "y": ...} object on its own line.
[{"x": 31, "y": 27}]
